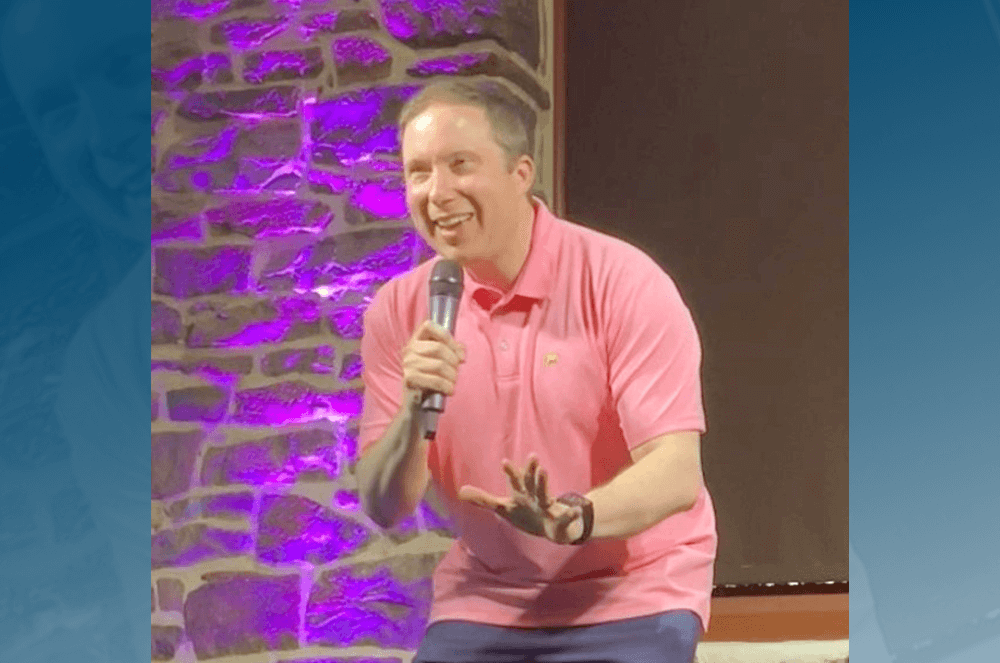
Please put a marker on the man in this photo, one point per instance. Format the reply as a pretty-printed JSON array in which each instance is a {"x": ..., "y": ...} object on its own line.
[{"x": 573, "y": 371}]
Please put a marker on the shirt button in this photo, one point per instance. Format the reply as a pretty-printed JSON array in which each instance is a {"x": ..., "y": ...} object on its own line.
[{"x": 503, "y": 345}]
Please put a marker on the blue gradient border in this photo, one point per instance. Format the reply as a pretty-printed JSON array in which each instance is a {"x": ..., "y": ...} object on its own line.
[
  {"x": 925, "y": 357},
  {"x": 73, "y": 571}
]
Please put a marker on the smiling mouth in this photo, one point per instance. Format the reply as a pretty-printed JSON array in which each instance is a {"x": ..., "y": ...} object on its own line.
[{"x": 453, "y": 221}]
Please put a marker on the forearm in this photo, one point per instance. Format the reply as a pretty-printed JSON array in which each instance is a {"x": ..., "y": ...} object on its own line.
[
  {"x": 642, "y": 495},
  {"x": 393, "y": 474}
]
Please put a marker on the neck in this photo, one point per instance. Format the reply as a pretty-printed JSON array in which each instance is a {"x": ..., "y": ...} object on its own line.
[{"x": 501, "y": 272}]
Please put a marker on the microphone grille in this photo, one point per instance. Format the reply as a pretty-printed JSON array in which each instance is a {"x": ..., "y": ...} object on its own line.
[{"x": 446, "y": 279}]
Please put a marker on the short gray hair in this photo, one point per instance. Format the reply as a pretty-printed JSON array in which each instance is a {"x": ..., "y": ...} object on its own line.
[{"x": 509, "y": 117}]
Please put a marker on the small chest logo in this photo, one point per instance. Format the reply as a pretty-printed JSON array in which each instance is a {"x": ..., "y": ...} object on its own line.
[{"x": 550, "y": 359}]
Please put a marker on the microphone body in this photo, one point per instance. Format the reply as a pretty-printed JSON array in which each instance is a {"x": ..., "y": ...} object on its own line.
[{"x": 444, "y": 294}]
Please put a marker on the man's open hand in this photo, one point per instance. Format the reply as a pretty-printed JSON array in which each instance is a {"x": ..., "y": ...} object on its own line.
[{"x": 529, "y": 507}]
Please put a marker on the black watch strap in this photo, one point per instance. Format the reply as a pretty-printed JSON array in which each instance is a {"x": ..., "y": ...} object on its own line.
[{"x": 576, "y": 499}]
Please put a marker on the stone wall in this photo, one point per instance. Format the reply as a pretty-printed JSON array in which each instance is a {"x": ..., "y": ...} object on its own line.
[{"x": 277, "y": 211}]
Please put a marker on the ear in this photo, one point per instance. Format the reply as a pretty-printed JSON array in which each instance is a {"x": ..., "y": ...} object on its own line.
[{"x": 524, "y": 171}]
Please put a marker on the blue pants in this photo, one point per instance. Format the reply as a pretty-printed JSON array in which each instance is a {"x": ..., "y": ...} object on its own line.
[{"x": 667, "y": 637}]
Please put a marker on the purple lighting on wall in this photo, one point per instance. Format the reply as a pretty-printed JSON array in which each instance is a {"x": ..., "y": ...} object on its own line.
[
  {"x": 353, "y": 151},
  {"x": 331, "y": 182},
  {"x": 194, "y": 543},
  {"x": 317, "y": 23},
  {"x": 335, "y": 280},
  {"x": 272, "y": 218},
  {"x": 296, "y": 529},
  {"x": 246, "y": 34},
  {"x": 357, "y": 50},
  {"x": 187, "y": 229},
  {"x": 226, "y": 267},
  {"x": 344, "y": 609},
  {"x": 450, "y": 65},
  {"x": 227, "y": 612},
  {"x": 385, "y": 199},
  {"x": 207, "y": 66},
  {"x": 294, "y": 403},
  {"x": 217, "y": 148},
  {"x": 275, "y": 60},
  {"x": 290, "y": 311},
  {"x": 200, "y": 10},
  {"x": 445, "y": 16},
  {"x": 354, "y": 112}
]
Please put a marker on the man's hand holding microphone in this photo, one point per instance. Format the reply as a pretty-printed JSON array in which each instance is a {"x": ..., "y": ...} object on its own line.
[{"x": 392, "y": 473}]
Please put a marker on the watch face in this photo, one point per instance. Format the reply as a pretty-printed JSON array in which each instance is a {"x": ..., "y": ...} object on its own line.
[{"x": 572, "y": 499}]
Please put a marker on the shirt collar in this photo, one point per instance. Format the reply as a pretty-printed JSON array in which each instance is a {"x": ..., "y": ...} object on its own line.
[{"x": 534, "y": 281}]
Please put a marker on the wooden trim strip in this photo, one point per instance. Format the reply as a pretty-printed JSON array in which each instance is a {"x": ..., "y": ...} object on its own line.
[
  {"x": 779, "y": 618},
  {"x": 559, "y": 107}
]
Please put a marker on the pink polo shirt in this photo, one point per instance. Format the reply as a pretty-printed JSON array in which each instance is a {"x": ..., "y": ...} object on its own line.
[{"x": 591, "y": 353}]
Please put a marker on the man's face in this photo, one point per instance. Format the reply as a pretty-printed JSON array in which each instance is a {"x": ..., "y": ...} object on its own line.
[
  {"x": 82, "y": 78},
  {"x": 462, "y": 198}
]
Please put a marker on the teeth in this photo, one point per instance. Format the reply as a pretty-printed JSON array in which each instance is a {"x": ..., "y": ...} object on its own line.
[{"x": 452, "y": 221}]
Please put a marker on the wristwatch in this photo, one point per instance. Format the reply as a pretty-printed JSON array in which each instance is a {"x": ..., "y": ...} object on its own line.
[{"x": 576, "y": 499}]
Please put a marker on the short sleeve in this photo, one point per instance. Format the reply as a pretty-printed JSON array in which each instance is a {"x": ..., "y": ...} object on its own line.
[
  {"x": 381, "y": 349},
  {"x": 654, "y": 353}
]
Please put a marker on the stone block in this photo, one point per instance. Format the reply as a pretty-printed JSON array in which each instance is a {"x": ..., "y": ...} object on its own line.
[
  {"x": 171, "y": 593},
  {"x": 245, "y": 613},
  {"x": 514, "y": 24},
  {"x": 295, "y": 402},
  {"x": 486, "y": 64},
  {"x": 273, "y": 101},
  {"x": 269, "y": 217},
  {"x": 272, "y": 66},
  {"x": 357, "y": 262},
  {"x": 164, "y": 641},
  {"x": 221, "y": 369},
  {"x": 249, "y": 324},
  {"x": 173, "y": 457},
  {"x": 205, "y": 404},
  {"x": 384, "y": 605},
  {"x": 351, "y": 367},
  {"x": 296, "y": 529},
  {"x": 165, "y": 324},
  {"x": 303, "y": 455},
  {"x": 353, "y": 126},
  {"x": 245, "y": 33},
  {"x": 330, "y": 23},
  {"x": 250, "y": 155},
  {"x": 196, "y": 543},
  {"x": 347, "y": 321},
  {"x": 192, "y": 272},
  {"x": 228, "y": 506},
  {"x": 361, "y": 60},
  {"x": 317, "y": 360},
  {"x": 170, "y": 225}
]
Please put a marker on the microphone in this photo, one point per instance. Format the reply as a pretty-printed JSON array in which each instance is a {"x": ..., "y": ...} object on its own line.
[{"x": 445, "y": 291}]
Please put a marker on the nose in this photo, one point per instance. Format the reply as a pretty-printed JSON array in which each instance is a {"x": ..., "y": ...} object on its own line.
[{"x": 442, "y": 188}]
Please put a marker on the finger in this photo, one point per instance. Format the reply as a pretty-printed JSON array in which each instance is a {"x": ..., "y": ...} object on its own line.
[
  {"x": 543, "y": 489},
  {"x": 423, "y": 382},
  {"x": 432, "y": 366},
  {"x": 530, "y": 475},
  {"x": 434, "y": 349},
  {"x": 513, "y": 477},
  {"x": 430, "y": 330},
  {"x": 481, "y": 498}
]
